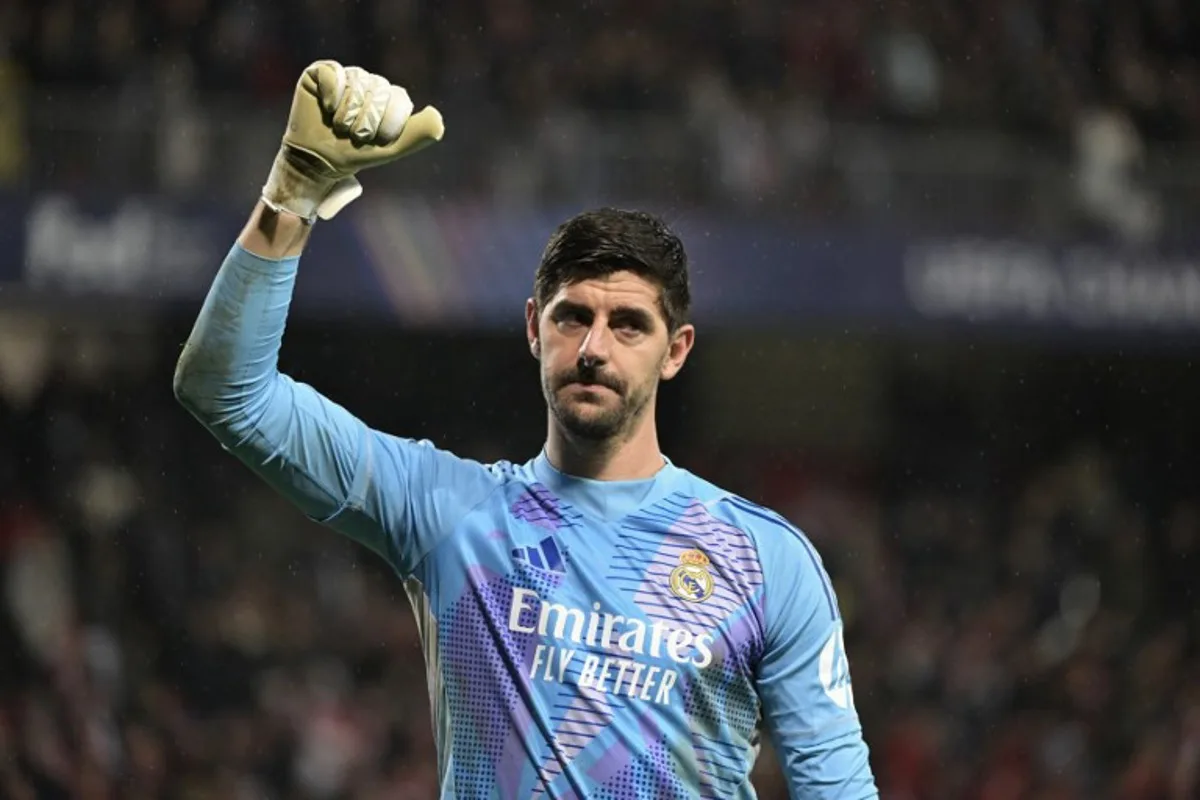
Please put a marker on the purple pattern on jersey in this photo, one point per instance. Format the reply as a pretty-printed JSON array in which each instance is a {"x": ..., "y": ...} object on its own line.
[
  {"x": 652, "y": 775},
  {"x": 718, "y": 700},
  {"x": 610, "y": 763},
  {"x": 539, "y": 506},
  {"x": 721, "y": 696},
  {"x": 744, "y": 634},
  {"x": 615, "y": 765},
  {"x": 486, "y": 678},
  {"x": 734, "y": 567},
  {"x": 510, "y": 769},
  {"x": 587, "y": 716}
]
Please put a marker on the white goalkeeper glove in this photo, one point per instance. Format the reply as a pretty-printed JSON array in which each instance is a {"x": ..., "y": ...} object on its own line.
[{"x": 343, "y": 119}]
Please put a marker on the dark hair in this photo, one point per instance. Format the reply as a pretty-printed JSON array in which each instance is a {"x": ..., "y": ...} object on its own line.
[{"x": 607, "y": 240}]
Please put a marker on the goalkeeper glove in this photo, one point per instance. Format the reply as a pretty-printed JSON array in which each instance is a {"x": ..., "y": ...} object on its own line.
[{"x": 343, "y": 119}]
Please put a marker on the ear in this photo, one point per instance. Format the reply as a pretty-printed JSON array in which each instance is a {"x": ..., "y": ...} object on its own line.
[
  {"x": 531, "y": 328},
  {"x": 677, "y": 351}
]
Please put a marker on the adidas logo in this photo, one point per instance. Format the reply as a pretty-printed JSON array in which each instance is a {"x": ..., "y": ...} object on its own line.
[{"x": 543, "y": 555}]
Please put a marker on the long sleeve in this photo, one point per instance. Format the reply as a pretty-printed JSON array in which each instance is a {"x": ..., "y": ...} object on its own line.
[
  {"x": 397, "y": 496},
  {"x": 804, "y": 674}
]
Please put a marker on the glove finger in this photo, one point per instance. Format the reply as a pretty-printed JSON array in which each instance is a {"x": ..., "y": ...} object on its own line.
[
  {"x": 375, "y": 102},
  {"x": 422, "y": 129},
  {"x": 345, "y": 118},
  {"x": 343, "y": 193},
  {"x": 327, "y": 81},
  {"x": 399, "y": 109}
]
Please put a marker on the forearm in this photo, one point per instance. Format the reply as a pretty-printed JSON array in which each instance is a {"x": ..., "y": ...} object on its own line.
[
  {"x": 230, "y": 356},
  {"x": 229, "y": 361},
  {"x": 228, "y": 378}
]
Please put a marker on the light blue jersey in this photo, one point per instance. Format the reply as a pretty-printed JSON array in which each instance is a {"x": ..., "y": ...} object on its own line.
[{"x": 583, "y": 639}]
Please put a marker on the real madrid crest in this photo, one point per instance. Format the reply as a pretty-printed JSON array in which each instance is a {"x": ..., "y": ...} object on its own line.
[{"x": 691, "y": 580}]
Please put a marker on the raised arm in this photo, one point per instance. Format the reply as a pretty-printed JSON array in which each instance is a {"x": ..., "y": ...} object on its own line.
[{"x": 394, "y": 495}]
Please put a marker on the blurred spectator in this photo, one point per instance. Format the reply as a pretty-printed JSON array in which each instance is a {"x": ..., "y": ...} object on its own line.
[
  {"x": 12, "y": 118},
  {"x": 592, "y": 98},
  {"x": 931, "y": 59},
  {"x": 1108, "y": 152}
]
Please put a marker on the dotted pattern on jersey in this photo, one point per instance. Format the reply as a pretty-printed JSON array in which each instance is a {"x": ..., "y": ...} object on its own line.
[
  {"x": 576, "y": 726},
  {"x": 539, "y": 506},
  {"x": 719, "y": 700},
  {"x": 651, "y": 545},
  {"x": 483, "y": 661},
  {"x": 720, "y": 696},
  {"x": 653, "y": 775},
  {"x": 723, "y": 710}
]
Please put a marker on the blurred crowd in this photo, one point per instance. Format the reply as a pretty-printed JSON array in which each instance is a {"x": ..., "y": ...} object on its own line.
[
  {"x": 760, "y": 103},
  {"x": 1008, "y": 63},
  {"x": 167, "y": 629},
  {"x": 170, "y": 629},
  {"x": 1040, "y": 640}
]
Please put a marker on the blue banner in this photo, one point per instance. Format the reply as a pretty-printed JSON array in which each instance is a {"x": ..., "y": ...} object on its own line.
[{"x": 438, "y": 263}]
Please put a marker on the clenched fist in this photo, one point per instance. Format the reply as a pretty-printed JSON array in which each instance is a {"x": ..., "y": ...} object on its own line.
[{"x": 343, "y": 119}]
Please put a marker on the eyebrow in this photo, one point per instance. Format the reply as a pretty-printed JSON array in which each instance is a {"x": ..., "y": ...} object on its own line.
[
  {"x": 569, "y": 307},
  {"x": 634, "y": 314}
]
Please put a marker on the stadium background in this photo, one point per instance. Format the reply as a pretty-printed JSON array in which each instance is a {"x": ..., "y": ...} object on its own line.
[{"x": 948, "y": 292}]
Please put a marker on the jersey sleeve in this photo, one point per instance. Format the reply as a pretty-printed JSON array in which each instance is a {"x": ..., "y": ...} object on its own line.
[
  {"x": 804, "y": 675},
  {"x": 397, "y": 496}
]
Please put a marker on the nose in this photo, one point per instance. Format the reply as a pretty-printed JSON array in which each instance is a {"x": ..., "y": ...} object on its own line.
[{"x": 593, "y": 350}]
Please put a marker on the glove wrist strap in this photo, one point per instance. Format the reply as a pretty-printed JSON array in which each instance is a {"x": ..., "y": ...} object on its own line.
[{"x": 297, "y": 184}]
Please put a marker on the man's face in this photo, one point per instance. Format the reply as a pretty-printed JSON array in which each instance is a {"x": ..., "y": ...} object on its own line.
[{"x": 603, "y": 345}]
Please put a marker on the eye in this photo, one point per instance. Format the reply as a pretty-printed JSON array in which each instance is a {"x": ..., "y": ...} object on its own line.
[
  {"x": 629, "y": 333},
  {"x": 630, "y": 325},
  {"x": 570, "y": 318}
]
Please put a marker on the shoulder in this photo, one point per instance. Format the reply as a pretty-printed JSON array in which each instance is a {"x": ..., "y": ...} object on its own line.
[
  {"x": 786, "y": 554},
  {"x": 774, "y": 533},
  {"x": 435, "y": 469},
  {"x": 771, "y": 531}
]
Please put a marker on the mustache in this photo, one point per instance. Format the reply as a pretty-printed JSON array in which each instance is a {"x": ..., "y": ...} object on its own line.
[{"x": 589, "y": 376}]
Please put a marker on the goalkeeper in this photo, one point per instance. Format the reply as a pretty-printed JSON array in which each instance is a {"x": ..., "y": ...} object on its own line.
[{"x": 597, "y": 622}]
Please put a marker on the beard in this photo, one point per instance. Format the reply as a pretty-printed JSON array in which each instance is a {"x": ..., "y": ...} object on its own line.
[{"x": 589, "y": 421}]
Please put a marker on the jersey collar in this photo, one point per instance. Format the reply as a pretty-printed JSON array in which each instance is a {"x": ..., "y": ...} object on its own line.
[{"x": 606, "y": 499}]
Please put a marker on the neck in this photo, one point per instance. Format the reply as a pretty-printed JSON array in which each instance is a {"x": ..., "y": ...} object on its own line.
[{"x": 632, "y": 457}]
